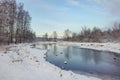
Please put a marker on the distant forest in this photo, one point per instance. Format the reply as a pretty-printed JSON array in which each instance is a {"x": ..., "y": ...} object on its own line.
[
  {"x": 94, "y": 35},
  {"x": 14, "y": 23},
  {"x": 88, "y": 35}
]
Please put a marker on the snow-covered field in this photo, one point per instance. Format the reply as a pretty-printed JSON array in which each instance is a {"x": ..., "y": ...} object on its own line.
[{"x": 21, "y": 62}]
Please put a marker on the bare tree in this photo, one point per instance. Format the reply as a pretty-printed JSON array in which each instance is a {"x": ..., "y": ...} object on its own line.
[
  {"x": 67, "y": 35},
  {"x": 45, "y": 36},
  {"x": 55, "y": 35},
  {"x": 74, "y": 36},
  {"x": 14, "y": 22},
  {"x": 12, "y": 16},
  {"x": 96, "y": 34}
]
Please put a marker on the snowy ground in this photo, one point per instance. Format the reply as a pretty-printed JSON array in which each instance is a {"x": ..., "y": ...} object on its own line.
[
  {"x": 21, "y": 62},
  {"x": 112, "y": 47}
]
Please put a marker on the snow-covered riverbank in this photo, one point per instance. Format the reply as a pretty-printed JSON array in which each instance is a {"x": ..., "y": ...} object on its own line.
[
  {"x": 112, "y": 47},
  {"x": 21, "y": 62}
]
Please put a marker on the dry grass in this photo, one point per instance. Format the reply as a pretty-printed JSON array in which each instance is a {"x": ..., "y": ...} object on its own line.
[{"x": 2, "y": 48}]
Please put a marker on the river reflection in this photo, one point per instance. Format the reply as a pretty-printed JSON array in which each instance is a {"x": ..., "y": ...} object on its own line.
[{"x": 83, "y": 60}]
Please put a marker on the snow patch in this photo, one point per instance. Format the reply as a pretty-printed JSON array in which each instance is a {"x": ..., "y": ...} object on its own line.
[{"x": 21, "y": 62}]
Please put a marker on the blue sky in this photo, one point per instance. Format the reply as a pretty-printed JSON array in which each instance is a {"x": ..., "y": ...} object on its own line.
[{"x": 58, "y": 15}]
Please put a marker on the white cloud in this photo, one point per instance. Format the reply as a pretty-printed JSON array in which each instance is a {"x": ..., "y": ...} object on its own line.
[
  {"x": 73, "y": 2},
  {"x": 97, "y": 1},
  {"x": 87, "y": 6},
  {"x": 113, "y": 6},
  {"x": 43, "y": 4},
  {"x": 99, "y": 6},
  {"x": 57, "y": 9}
]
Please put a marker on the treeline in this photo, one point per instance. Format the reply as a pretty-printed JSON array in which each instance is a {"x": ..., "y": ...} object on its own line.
[
  {"x": 14, "y": 23},
  {"x": 86, "y": 34},
  {"x": 53, "y": 37},
  {"x": 94, "y": 35}
]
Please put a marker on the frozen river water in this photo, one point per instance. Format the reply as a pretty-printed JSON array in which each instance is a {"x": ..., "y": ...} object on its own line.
[{"x": 83, "y": 60}]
